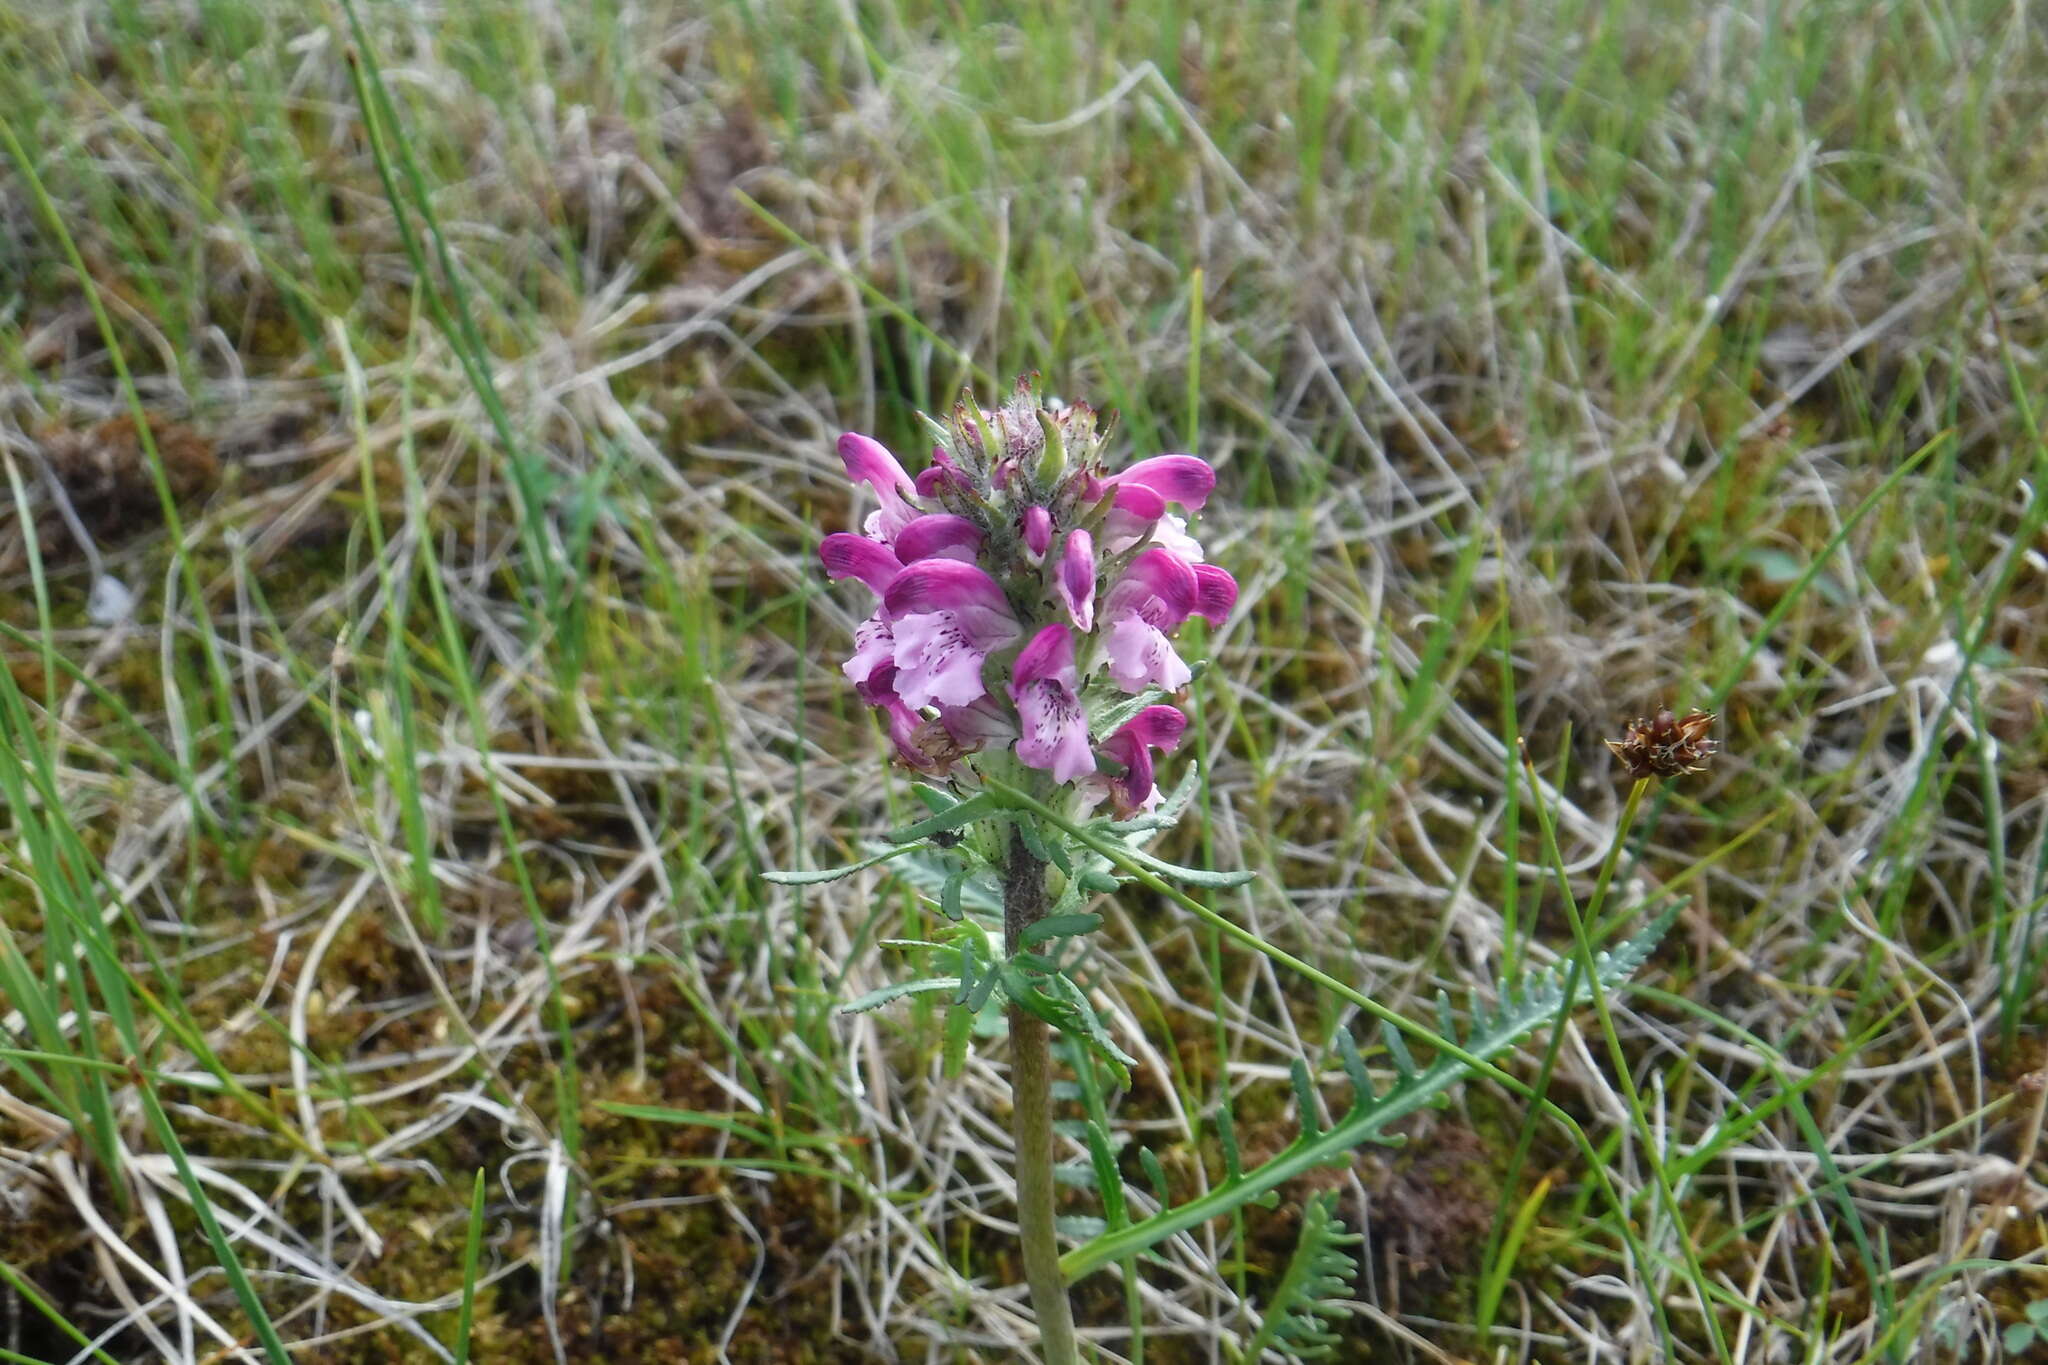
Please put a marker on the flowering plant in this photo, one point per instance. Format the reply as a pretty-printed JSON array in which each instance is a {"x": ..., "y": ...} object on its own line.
[
  {"x": 1026, "y": 601},
  {"x": 1021, "y": 655}
]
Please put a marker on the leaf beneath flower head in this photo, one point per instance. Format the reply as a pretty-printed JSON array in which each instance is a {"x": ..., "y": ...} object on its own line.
[
  {"x": 1063, "y": 1004},
  {"x": 1058, "y": 926},
  {"x": 926, "y": 986},
  {"x": 1192, "y": 876},
  {"x": 960, "y": 813},
  {"x": 833, "y": 874},
  {"x": 1108, "y": 714}
]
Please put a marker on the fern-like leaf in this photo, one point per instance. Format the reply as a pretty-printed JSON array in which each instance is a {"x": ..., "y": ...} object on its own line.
[{"x": 1319, "y": 1274}]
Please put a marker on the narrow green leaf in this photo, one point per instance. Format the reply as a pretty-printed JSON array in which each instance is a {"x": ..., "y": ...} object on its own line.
[
  {"x": 832, "y": 874},
  {"x": 1059, "y": 926},
  {"x": 961, "y": 813},
  {"x": 1397, "y": 1048},
  {"x": 1226, "y": 1137},
  {"x": 959, "y": 1030},
  {"x": 926, "y": 986},
  {"x": 1156, "y": 1174},
  {"x": 1354, "y": 1067},
  {"x": 472, "y": 1245},
  {"x": 1193, "y": 876},
  {"x": 1109, "y": 1180},
  {"x": 1305, "y": 1098}
]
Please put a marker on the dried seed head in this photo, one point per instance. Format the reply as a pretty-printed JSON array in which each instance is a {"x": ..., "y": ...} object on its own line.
[{"x": 1666, "y": 746}]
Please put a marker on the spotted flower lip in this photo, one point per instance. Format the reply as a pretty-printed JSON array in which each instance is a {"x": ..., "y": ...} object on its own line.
[
  {"x": 946, "y": 617},
  {"x": 1021, "y": 586},
  {"x": 1045, "y": 687}
]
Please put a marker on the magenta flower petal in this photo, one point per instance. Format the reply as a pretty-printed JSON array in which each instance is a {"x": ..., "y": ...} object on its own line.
[
  {"x": 1074, "y": 584},
  {"x": 874, "y": 649},
  {"x": 940, "y": 474},
  {"x": 1038, "y": 531},
  {"x": 1158, "y": 585},
  {"x": 1140, "y": 656},
  {"x": 1136, "y": 500},
  {"x": 940, "y": 534},
  {"x": 1049, "y": 657},
  {"x": 846, "y": 555},
  {"x": 1054, "y": 732},
  {"x": 945, "y": 585},
  {"x": 939, "y": 655},
  {"x": 1175, "y": 478},
  {"x": 1215, "y": 593},
  {"x": 1161, "y": 727},
  {"x": 869, "y": 461}
]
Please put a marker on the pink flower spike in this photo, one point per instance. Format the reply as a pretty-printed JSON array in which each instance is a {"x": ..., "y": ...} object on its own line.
[
  {"x": 946, "y": 585},
  {"x": 846, "y": 555},
  {"x": 1038, "y": 531},
  {"x": 868, "y": 461},
  {"x": 1215, "y": 593},
  {"x": 1075, "y": 582},
  {"x": 939, "y": 534},
  {"x": 1053, "y": 728},
  {"x": 1175, "y": 478}
]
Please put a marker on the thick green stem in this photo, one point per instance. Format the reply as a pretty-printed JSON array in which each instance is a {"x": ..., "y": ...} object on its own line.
[{"x": 1031, "y": 1122}]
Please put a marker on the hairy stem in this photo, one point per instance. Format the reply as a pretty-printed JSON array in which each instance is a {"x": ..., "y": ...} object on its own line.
[{"x": 1031, "y": 1122}]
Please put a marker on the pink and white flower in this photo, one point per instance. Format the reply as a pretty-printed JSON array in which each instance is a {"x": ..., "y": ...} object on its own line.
[
  {"x": 1046, "y": 688},
  {"x": 1157, "y": 592},
  {"x": 868, "y": 461},
  {"x": 946, "y": 616},
  {"x": 1155, "y": 727}
]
